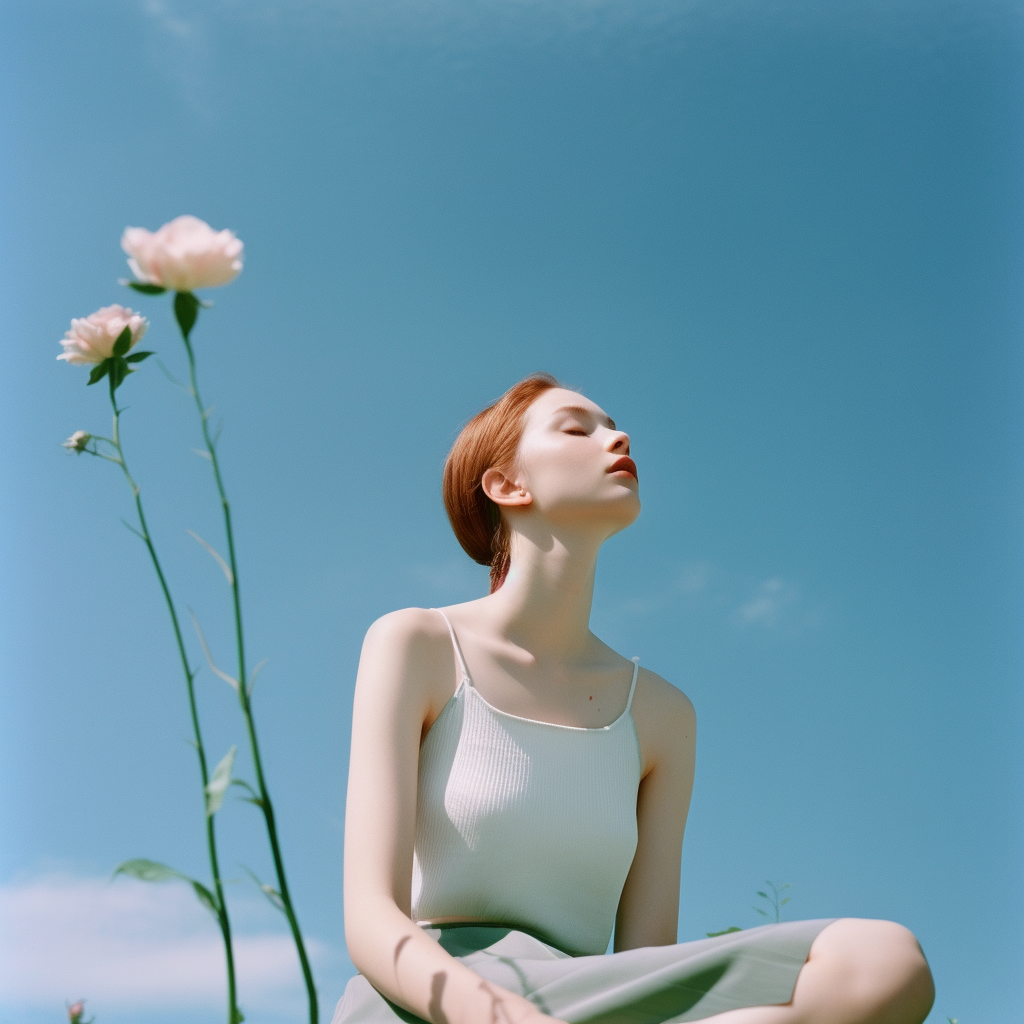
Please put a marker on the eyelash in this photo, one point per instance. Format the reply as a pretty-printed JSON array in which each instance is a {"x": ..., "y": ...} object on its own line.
[{"x": 577, "y": 430}]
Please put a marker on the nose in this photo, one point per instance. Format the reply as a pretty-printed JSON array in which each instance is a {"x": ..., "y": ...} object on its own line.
[{"x": 619, "y": 442}]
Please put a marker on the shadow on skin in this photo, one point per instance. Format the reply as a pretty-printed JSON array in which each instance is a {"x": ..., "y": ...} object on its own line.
[
  {"x": 534, "y": 998},
  {"x": 498, "y": 1011},
  {"x": 437, "y": 983}
]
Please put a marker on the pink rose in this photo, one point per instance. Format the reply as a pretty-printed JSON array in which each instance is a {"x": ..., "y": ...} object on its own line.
[
  {"x": 75, "y": 1011},
  {"x": 92, "y": 340},
  {"x": 183, "y": 255}
]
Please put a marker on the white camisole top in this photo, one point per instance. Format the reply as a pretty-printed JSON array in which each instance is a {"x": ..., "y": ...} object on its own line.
[{"x": 525, "y": 823}]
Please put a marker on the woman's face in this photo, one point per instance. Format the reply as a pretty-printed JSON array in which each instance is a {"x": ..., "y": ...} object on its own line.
[{"x": 574, "y": 463}]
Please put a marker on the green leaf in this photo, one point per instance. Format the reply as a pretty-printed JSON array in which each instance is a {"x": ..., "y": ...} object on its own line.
[
  {"x": 219, "y": 782},
  {"x": 217, "y": 557},
  {"x": 153, "y": 871},
  {"x": 148, "y": 871},
  {"x": 230, "y": 680},
  {"x": 141, "y": 536},
  {"x": 269, "y": 891},
  {"x": 186, "y": 310},
  {"x": 255, "y": 673},
  {"x": 146, "y": 289},
  {"x": 137, "y": 357},
  {"x": 253, "y": 798},
  {"x": 763, "y": 913},
  {"x": 99, "y": 371},
  {"x": 118, "y": 371},
  {"x": 239, "y": 1016},
  {"x": 124, "y": 342},
  {"x": 763, "y": 895},
  {"x": 727, "y": 931},
  {"x": 206, "y": 897}
]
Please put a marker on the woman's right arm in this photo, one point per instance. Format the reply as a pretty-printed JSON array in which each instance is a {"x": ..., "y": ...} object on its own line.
[{"x": 405, "y": 677}]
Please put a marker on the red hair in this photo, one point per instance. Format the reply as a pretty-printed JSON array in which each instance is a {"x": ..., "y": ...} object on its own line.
[{"x": 489, "y": 440}]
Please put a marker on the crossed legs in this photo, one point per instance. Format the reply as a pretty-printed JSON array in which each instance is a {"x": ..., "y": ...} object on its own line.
[{"x": 858, "y": 972}]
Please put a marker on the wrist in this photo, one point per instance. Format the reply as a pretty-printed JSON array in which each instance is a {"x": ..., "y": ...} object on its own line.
[{"x": 499, "y": 1006}]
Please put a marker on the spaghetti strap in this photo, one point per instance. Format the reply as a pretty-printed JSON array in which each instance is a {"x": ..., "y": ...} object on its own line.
[
  {"x": 458, "y": 649},
  {"x": 632, "y": 685}
]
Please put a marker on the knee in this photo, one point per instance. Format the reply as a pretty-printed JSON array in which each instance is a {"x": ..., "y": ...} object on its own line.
[
  {"x": 885, "y": 971},
  {"x": 908, "y": 969}
]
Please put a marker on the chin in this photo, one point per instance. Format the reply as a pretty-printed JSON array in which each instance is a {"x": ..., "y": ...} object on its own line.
[
  {"x": 613, "y": 513},
  {"x": 629, "y": 514}
]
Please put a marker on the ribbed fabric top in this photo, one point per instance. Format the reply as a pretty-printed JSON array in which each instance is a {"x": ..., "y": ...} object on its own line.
[{"x": 525, "y": 823}]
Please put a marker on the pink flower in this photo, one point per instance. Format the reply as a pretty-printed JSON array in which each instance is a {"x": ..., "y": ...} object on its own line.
[
  {"x": 91, "y": 340},
  {"x": 185, "y": 254},
  {"x": 75, "y": 1011}
]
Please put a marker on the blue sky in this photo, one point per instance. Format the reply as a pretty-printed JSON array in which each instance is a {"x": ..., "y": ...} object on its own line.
[{"x": 780, "y": 242}]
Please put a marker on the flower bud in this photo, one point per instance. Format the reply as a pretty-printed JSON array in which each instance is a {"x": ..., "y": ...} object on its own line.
[
  {"x": 76, "y": 1011},
  {"x": 91, "y": 340},
  {"x": 77, "y": 442},
  {"x": 185, "y": 254}
]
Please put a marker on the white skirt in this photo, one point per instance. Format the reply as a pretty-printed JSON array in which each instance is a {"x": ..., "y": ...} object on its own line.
[{"x": 653, "y": 985}]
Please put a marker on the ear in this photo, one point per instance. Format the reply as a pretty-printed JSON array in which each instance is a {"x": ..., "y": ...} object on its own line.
[{"x": 504, "y": 490}]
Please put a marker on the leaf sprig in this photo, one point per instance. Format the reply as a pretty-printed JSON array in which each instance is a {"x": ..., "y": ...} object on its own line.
[{"x": 117, "y": 364}]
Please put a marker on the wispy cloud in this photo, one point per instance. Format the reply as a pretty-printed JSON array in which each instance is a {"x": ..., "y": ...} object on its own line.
[
  {"x": 768, "y": 607},
  {"x": 128, "y": 945},
  {"x": 698, "y": 578},
  {"x": 740, "y": 602},
  {"x": 448, "y": 25},
  {"x": 466, "y": 24},
  {"x": 183, "y": 50},
  {"x": 170, "y": 22}
]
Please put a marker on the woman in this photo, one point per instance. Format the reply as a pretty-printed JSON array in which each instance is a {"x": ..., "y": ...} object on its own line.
[{"x": 517, "y": 788}]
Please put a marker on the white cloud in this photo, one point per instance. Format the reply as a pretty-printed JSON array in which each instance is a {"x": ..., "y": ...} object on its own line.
[
  {"x": 170, "y": 22},
  {"x": 696, "y": 578},
  {"x": 739, "y": 602},
  {"x": 777, "y": 605},
  {"x": 451, "y": 25},
  {"x": 769, "y": 603},
  {"x": 183, "y": 50},
  {"x": 132, "y": 945}
]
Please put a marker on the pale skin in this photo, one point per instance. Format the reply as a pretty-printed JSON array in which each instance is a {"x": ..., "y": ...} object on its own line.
[{"x": 531, "y": 653}]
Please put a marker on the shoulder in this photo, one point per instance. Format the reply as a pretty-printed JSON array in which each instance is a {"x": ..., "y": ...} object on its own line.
[
  {"x": 658, "y": 698},
  {"x": 665, "y": 719},
  {"x": 407, "y": 628},
  {"x": 407, "y": 657}
]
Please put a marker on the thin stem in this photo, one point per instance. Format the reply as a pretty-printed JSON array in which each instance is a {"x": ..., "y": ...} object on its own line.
[
  {"x": 100, "y": 455},
  {"x": 243, "y": 694},
  {"x": 234, "y": 1016}
]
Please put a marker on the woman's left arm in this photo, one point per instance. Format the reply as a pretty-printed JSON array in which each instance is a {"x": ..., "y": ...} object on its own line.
[{"x": 667, "y": 726}]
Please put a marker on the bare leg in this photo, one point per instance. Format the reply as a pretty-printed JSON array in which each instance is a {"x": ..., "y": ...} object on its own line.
[{"x": 858, "y": 972}]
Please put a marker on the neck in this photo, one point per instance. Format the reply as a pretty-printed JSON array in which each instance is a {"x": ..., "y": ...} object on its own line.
[{"x": 544, "y": 604}]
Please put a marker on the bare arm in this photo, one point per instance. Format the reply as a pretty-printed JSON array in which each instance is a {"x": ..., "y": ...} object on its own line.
[
  {"x": 649, "y": 907},
  {"x": 405, "y": 676}
]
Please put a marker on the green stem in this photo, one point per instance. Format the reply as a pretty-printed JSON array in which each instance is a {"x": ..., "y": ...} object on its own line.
[
  {"x": 234, "y": 1016},
  {"x": 243, "y": 693}
]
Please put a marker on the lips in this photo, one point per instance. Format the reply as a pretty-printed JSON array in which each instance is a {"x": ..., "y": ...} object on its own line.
[{"x": 626, "y": 465}]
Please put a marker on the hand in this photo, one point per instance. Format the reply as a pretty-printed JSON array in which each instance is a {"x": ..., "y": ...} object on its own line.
[
  {"x": 507, "y": 1008},
  {"x": 536, "y": 1017}
]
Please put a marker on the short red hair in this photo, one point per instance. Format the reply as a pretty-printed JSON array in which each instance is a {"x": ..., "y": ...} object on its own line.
[{"x": 489, "y": 440}]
